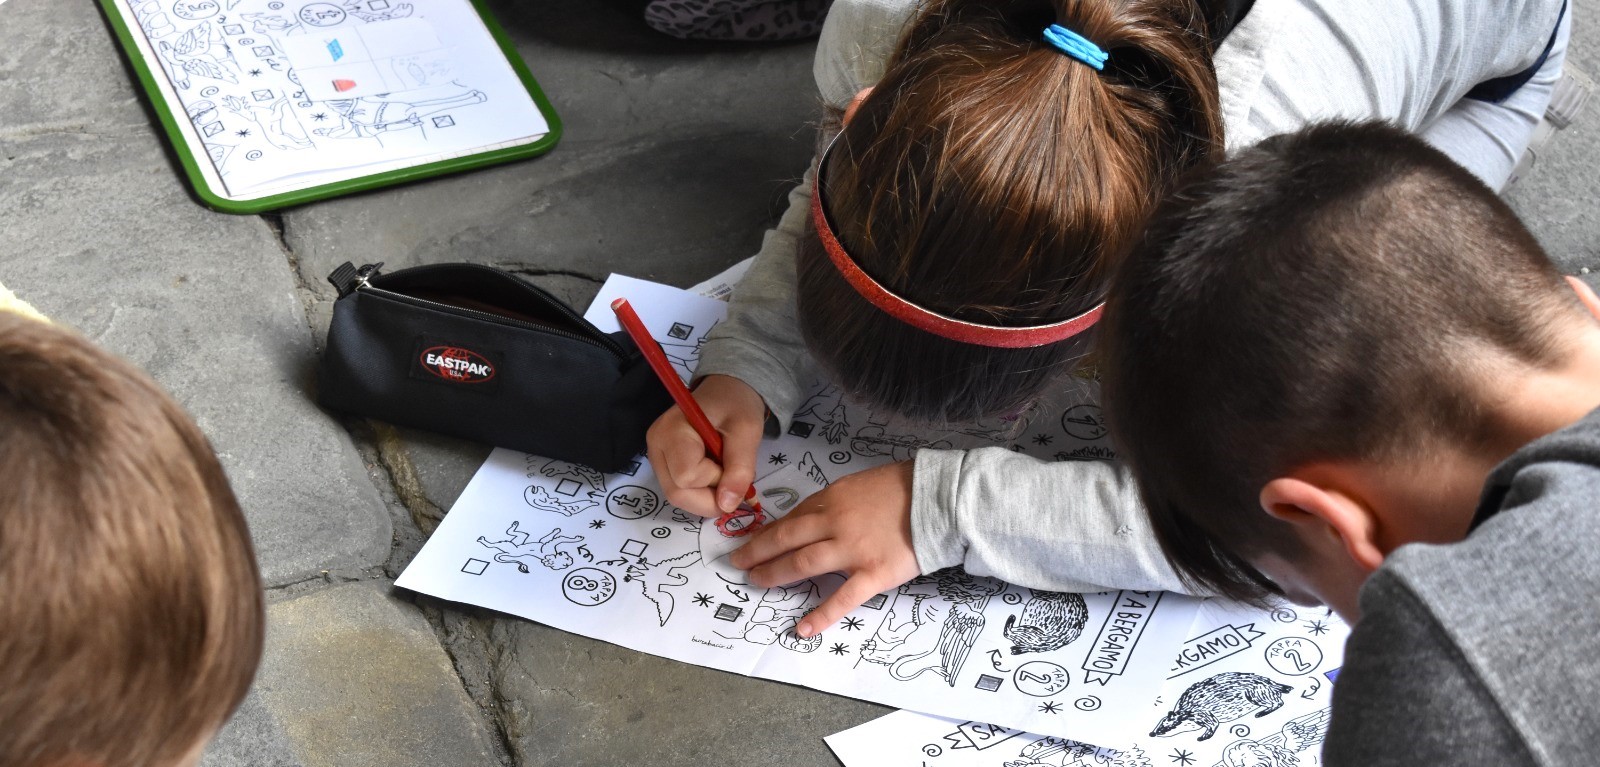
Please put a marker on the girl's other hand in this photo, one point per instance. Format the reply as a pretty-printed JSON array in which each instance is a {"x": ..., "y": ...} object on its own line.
[
  {"x": 860, "y": 526},
  {"x": 690, "y": 478}
]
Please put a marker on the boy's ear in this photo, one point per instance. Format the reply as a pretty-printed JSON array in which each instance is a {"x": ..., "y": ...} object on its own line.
[
  {"x": 1586, "y": 295},
  {"x": 1320, "y": 511},
  {"x": 855, "y": 103}
]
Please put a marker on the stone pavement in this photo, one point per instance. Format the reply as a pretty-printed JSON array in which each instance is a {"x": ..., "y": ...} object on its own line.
[{"x": 676, "y": 157}]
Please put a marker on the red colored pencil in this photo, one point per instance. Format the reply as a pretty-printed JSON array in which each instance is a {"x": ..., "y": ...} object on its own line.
[{"x": 680, "y": 393}]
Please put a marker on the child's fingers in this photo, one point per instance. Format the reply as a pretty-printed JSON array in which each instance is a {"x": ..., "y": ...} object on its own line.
[
  {"x": 685, "y": 473},
  {"x": 800, "y": 564},
  {"x": 855, "y": 592},
  {"x": 739, "y": 445},
  {"x": 779, "y": 538}
]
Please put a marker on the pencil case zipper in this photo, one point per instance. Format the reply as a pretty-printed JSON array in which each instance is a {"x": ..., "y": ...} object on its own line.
[{"x": 361, "y": 281}]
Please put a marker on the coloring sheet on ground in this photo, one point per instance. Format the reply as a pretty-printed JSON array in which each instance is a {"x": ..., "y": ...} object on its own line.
[
  {"x": 606, "y": 556},
  {"x": 289, "y": 94},
  {"x": 1259, "y": 682}
]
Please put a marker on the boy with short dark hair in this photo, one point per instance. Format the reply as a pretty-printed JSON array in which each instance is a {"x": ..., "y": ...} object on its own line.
[
  {"x": 131, "y": 622},
  {"x": 1339, "y": 364}
]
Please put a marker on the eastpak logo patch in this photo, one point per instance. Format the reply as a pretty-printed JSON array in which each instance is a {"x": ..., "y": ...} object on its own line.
[
  {"x": 448, "y": 362},
  {"x": 457, "y": 365}
]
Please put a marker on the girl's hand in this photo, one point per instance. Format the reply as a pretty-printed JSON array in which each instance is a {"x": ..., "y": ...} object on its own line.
[
  {"x": 860, "y": 526},
  {"x": 691, "y": 480}
]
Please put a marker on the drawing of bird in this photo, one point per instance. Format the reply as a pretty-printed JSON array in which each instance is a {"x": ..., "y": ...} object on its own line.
[
  {"x": 654, "y": 582},
  {"x": 1305, "y": 732},
  {"x": 197, "y": 53},
  {"x": 956, "y": 639}
]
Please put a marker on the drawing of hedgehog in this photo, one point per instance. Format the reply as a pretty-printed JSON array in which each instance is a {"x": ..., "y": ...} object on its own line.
[
  {"x": 1222, "y": 698},
  {"x": 1050, "y": 621}
]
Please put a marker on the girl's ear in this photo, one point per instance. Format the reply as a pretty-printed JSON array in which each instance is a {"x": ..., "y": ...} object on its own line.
[
  {"x": 1324, "y": 517},
  {"x": 861, "y": 95},
  {"x": 1585, "y": 293}
]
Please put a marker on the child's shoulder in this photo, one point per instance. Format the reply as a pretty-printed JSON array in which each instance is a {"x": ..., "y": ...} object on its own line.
[
  {"x": 856, "y": 42},
  {"x": 1531, "y": 555}
]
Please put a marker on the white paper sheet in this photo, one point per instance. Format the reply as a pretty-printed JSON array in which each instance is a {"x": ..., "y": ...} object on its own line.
[
  {"x": 1232, "y": 651},
  {"x": 447, "y": 90},
  {"x": 607, "y": 557}
]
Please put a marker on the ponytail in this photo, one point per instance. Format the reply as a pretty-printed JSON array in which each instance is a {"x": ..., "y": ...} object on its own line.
[{"x": 992, "y": 178}]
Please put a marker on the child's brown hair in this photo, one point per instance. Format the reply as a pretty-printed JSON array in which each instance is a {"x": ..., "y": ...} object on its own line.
[
  {"x": 991, "y": 178},
  {"x": 1335, "y": 294},
  {"x": 132, "y": 620}
]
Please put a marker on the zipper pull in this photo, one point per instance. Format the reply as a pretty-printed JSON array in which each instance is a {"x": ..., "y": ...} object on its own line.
[
  {"x": 366, "y": 273},
  {"x": 347, "y": 278}
]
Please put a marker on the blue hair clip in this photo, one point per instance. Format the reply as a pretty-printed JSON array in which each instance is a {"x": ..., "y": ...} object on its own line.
[{"x": 1075, "y": 45}]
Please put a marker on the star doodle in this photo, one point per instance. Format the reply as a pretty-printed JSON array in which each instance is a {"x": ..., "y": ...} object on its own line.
[
  {"x": 852, "y": 624},
  {"x": 1043, "y": 439},
  {"x": 778, "y": 459},
  {"x": 1317, "y": 627},
  {"x": 255, "y": 73},
  {"x": 1050, "y": 707},
  {"x": 838, "y": 648},
  {"x": 1016, "y": 448},
  {"x": 320, "y": 116},
  {"x": 704, "y": 600},
  {"x": 1180, "y": 756},
  {"x": 597, "y": 524},
  {"x": 242, "y": 133}
]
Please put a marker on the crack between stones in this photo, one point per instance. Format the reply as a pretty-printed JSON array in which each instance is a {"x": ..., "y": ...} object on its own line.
[
  {"x": 386, "y": 452},
  {"x": 396, "y": 461},
  {"x": 44, "y": 130},
  {"x": 328, "y": 577},
  {"x": 307, "y": 293}
]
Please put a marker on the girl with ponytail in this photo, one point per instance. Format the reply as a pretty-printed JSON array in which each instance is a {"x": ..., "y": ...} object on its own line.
[{"x": 985, "y": 165}]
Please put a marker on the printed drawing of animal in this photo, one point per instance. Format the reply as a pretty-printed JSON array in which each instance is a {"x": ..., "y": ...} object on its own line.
[
  {"x": 360, "y": 11},
  {"x": 278, "y": 124},
  {"x": 1222, "y": 698},
  {"x": 779, "y": 611},
  {"x": 546, "y": 551},
  {"x": 655, "y": 581},
  {"x": 272, "y": 24},
  {"x": 577, "y": 472},
  {"x": 541, "y": 499},
  {"x": 1050, "y": 621},
  {"x": 827, "y": 407},
  {"x": 872, "y": 440},
  {"x": 371, "y": 116},
  {"x": 1281, "y": 749},
  {"x": 200, "y": 52},
  {"x": 1059, "y": 752},
  {"x": 938, "y": 631}
]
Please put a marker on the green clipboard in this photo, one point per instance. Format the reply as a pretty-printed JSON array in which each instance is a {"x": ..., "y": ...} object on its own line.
[{"x": 205, "y": 176}]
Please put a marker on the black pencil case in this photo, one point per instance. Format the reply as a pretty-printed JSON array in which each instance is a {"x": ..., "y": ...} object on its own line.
[{"x": 475, "y": 352}]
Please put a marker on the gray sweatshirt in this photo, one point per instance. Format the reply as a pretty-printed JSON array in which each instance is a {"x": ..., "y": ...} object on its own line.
[
  {"x": 1078, "y": 526},
  {"x": 1486, "y": 652}
]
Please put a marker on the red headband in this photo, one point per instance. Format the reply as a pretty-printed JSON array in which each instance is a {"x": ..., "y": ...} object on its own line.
[{"x": 923, "y": 319}]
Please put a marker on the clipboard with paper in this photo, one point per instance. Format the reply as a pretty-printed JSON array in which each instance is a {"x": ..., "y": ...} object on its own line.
[{"x": 270, "y": 103}]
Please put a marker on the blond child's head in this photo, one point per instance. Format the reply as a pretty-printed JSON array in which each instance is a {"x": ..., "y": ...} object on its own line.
[{"x": 131, "y": 623}]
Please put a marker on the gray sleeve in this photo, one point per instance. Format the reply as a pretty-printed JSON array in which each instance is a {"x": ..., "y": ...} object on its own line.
[
  {"x": 1488, "y": 138},
  {"x": 760, "y": 342},
  {"x": 1065, "y": 526},
  {"x": 1406, "y": 696}
]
